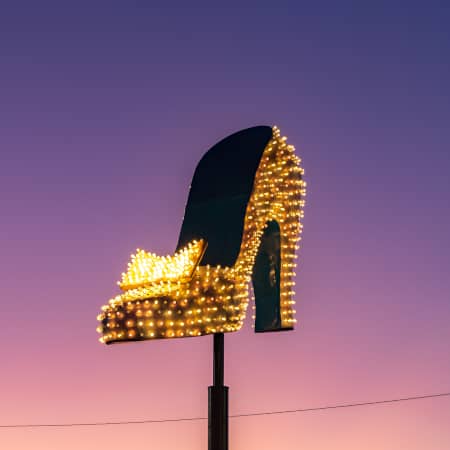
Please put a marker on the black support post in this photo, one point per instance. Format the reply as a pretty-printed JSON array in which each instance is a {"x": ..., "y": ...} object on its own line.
[{"x": 218, "y": 400}]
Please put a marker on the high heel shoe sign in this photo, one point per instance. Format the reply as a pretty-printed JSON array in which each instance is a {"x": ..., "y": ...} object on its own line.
[{"x": 242, "y": 224}]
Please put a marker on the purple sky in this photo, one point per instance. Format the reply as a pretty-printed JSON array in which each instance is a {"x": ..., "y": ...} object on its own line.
[{"x": 105, "y": 110}]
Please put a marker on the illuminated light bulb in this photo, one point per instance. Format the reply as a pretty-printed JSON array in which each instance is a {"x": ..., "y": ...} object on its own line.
[{"x": 131, "y": 333}]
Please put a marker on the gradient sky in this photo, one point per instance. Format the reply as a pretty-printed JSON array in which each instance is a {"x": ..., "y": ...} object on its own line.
[{"x": 106, "y": 108}]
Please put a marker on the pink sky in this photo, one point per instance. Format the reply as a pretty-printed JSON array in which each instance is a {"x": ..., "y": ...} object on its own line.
[{"x": 105, "y": 110}]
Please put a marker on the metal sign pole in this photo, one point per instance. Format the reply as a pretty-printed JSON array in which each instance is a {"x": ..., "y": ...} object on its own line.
[{"x": 218, "y": 400}]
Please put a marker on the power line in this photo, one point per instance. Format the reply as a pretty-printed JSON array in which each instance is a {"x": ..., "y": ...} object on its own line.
[
  {"x": 190, "y": 419},
  {"x": 348, "y": 405}
]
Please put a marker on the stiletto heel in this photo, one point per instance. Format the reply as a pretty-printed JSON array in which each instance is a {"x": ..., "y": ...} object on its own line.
[
  {"x": 266, "y": 280},
  {"x": 241, "y": 224}
]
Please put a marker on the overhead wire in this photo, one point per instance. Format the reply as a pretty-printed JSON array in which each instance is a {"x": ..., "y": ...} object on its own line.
[{"x": 233, "y": 416}]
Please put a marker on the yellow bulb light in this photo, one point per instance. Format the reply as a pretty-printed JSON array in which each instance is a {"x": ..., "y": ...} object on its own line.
[{"x": 147, "y": 268}]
